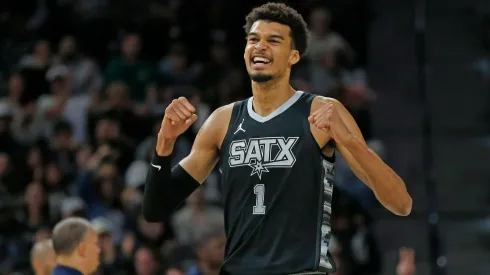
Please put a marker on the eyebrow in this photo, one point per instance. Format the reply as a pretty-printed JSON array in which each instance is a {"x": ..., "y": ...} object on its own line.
[{"x": 270, "y": 36}]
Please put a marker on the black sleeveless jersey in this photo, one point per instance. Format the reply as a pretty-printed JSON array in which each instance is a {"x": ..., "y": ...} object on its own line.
[{"x": 277, "y": 190}]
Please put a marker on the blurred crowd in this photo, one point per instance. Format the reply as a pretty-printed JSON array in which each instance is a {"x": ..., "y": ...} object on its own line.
[{"x": 83, "y": 87}]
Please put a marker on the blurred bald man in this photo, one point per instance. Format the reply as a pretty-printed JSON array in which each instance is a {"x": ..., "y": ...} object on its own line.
[
  {"x": 43, "y": 258},
  {"x": 75, "y": 243}
]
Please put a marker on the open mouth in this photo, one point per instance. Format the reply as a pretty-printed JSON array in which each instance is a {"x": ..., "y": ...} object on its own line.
[{"x": 260, "y": 62}]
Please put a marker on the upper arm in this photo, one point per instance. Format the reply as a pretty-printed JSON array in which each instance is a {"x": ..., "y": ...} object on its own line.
[
  {"x": 205, "y": 150},
  {"x": 348, "y": 120}
]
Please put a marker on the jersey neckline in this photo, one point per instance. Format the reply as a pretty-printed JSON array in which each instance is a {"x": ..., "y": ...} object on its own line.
[{"x": 281, "y": 109}]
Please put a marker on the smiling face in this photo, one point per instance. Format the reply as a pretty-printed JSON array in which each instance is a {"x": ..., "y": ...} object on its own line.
[{"x": 269, "y": 52}]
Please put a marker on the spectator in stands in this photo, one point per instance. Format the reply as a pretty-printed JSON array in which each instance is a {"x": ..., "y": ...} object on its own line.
[
  {"x": 196, "y": 218},
  {"x": 26, "y": 126},
  {"x": 145, "y": 262},
  {"x": 43, "y": 258},
  {"x": 119, "y": 106},
  {"x": 33, "y": 67},
  {"x": 108, "y": 137},
  {"x": 323, "y": 39},
  {"x": 34, "y": 163},
  {"x": 108, "y": 250},
  {"x": 58, "y": 187},
  {"x": 63, "y": 149},
  {"x": 216, "y": 69},
  {"x": 101, "y": 191},
  {"x": 131, "y": 69},
  {"x": 175, "y": 69},
  {"x": 36, "y": 212},
  {"x": 210, "y": 252},
  {"x": 85, "y": 74},
  {"x": 15, "y": 91},
  {"x": 134, "y": 180},
  {"x": 60, "y": 104},
  {"x": 153, "y": 235}
]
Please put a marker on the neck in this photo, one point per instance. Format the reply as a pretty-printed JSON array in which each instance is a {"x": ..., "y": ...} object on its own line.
[
  {"x": 71, "y": 262},
  {"x": 270, "y": 95}
]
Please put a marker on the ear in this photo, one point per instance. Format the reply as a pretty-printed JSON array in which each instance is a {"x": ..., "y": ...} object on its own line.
[
  {"x": 294, "y": 57},
  {"x": 81, "y": 249}
]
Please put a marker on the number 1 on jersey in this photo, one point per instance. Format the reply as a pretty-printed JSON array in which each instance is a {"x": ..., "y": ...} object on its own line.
[{"x": 259, "y": 208}]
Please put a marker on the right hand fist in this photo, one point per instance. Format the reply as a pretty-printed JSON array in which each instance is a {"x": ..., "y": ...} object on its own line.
[{"x": 179, "y": 116}]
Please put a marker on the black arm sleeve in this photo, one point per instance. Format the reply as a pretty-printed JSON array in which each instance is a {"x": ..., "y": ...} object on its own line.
[{"x": 165, "y": 189}]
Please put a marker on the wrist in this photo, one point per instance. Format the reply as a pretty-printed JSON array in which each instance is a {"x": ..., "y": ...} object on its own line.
[{"x": 165, "y": 146}]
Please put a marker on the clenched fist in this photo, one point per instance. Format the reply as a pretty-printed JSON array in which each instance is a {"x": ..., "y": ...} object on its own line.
[
  {"x": 179, "y": 116},
  {"x": 328, "y": 119}
]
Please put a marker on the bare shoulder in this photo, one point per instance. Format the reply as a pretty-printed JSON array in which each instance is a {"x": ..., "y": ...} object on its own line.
[
  {"x": 223, "y": 113},
  {"x": 319, "y": 101},
  {"x": 216, "y": 125}
]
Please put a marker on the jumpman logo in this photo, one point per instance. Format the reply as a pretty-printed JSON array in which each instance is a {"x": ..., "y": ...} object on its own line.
[{"x": 240, "y": 128}]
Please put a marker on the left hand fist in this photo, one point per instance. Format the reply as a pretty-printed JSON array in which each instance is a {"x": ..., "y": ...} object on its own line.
[{"x": 328, "y": 119}]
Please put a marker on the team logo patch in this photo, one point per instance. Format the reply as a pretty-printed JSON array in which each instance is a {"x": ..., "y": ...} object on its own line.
[{"x": 262, "y": 154}]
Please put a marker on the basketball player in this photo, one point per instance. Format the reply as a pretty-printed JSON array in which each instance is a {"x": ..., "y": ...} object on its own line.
[{"x": 276, "y": 156}]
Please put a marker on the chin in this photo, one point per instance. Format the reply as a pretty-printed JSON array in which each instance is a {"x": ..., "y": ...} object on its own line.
[{"x": 261, "y": 77}]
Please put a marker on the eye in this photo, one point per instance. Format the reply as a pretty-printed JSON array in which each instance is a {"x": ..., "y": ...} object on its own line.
[
  {"x": 252, "y": 39},
  {"x": 274, "y": 41}
]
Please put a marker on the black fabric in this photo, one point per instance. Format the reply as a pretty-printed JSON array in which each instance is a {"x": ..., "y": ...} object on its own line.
[{"x": 165, "y": 189}]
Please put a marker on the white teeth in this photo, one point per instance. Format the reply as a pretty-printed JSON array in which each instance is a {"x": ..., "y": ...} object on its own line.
[{"x": 261, "y": 60}]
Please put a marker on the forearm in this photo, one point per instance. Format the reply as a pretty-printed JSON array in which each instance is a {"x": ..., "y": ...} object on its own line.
[
  {"x": 164, "y": 147},
  {"x": 165, "y": 189},
  {"x": 388, "y": 187}
]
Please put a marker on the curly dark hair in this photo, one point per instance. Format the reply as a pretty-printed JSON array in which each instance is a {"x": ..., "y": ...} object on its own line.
[{"x": 282, "y": 14}]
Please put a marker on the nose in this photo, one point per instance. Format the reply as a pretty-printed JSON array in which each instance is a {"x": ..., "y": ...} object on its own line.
[{"x": 260, "y": 46}]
